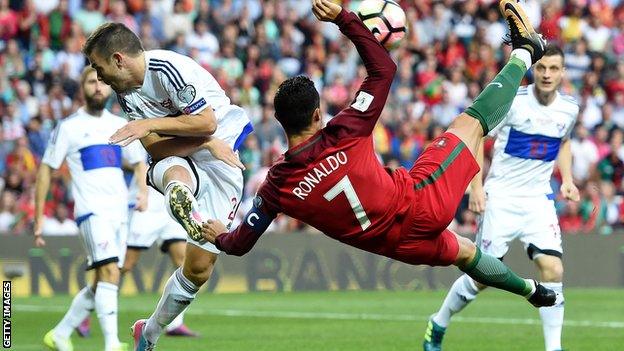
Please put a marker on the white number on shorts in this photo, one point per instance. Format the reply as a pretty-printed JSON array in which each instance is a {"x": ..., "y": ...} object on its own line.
[{"x": 344, "y": 185}]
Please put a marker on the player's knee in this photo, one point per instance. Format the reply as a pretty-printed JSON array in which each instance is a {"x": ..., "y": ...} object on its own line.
[
  {"x": 178, "y": 173},
  {"x": 198, "y": 272},
  {"x": 109, "y": 273},
  {"x": 467, "y": 251},
  {"x": 552, "y": 272}
]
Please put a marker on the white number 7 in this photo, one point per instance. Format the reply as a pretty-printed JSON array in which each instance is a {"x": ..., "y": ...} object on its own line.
[{"x": 344, "y": 185}]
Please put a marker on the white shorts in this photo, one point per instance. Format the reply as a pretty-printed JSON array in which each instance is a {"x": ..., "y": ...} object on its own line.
[
  {"x": 148, "y": 227},
  {"x": 533, "y": 220},
  {"x": 104, "y": 240},
  {"x": 217, "y": 187}
]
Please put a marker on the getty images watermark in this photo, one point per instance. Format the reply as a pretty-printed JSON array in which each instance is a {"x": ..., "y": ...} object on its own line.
[{"x": 6, "y": 314}]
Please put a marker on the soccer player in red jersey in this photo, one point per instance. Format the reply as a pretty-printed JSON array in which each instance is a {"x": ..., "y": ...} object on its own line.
[{"x": 331, "y": 179}]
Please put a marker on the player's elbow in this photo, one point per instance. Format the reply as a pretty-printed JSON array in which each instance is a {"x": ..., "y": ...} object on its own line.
[
  {"x": 208, "y": 124},
  {"x": 207, "y": 127},
  {"x": 389, "y": 69},
  {"x": 211, "y": 128}
]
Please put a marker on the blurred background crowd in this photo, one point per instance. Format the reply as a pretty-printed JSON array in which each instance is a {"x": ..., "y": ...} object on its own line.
[{"x": 453, "y": 49}]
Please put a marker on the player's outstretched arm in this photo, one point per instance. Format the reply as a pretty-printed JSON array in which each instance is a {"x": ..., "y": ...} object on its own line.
[
  {"x": 160, "y": 147},
  {"x": 202, "y": 124},
  {"x": 239, "y": 241},
  {"x": 360, "y": 118}
]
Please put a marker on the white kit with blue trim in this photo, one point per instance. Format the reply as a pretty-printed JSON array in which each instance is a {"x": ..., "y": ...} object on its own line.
[
  {"x": 98, "y": 186},
  {"x": 519, "y": 201},
  {"x": 527, "y": 144},
  {"x": 175, "y": 84}
]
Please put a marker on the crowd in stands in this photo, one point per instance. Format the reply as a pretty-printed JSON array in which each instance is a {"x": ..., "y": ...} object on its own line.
[{"x": 452, "y": 50}]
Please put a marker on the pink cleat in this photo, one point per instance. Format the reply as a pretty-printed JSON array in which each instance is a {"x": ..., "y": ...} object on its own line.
[
  {"x": 84, "y": 329},
  {"x": 140, "y": 343},
  {"x": 182, "y": 330}
]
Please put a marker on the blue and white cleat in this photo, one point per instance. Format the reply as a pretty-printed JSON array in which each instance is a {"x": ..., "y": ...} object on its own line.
[
  {"x": 140, "y": 343},
  {"x": 433, "y": 336}
]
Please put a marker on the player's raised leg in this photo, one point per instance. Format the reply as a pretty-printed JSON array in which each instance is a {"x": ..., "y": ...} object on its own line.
[
  {"x": 491, "y": 106},
  {"x": 489, "y": 109},
  {"x": 178, "y": 178}
]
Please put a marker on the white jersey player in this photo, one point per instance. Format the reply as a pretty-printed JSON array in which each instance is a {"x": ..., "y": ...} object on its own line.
[
  {"x": 517, "y": 200},
  {"x": 188, "y": 125},
  {"x": 100, "y": 206}
]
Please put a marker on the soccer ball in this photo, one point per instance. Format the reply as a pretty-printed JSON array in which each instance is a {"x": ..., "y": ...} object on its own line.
[{"x": 386, "y": 19}]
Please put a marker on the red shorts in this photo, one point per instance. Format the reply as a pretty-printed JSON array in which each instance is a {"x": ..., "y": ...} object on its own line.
[{"x": 441, "y": 176}]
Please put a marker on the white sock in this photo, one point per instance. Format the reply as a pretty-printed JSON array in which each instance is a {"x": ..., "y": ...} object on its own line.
[
  {"x": 523, "y": 55},
  {"x": 177, "y": 322},
  {"x": 552, "y": 319},
  {"x": 106, "y": 308},
  {"x": 459, "y": 296},
  {"x": 178, "y": 294},
  {"x": 82, "y": 304}
]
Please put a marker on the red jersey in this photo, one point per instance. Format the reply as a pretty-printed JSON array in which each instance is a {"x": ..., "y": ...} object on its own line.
[{"x": 334, "y": 181}]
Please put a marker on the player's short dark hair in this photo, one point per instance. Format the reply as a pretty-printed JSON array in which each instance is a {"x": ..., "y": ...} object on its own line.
[
  {"x": 554, "y": 50},
  {"x": 295, "y": 102},
  {"x": 110, "y": 38}
]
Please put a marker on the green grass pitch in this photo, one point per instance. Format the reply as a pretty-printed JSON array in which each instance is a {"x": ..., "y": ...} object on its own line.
[{"x": 353, "y": 320}]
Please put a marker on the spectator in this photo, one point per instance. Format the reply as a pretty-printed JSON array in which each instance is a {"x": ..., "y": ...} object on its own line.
[
  {"x": 120, "y": 14},
  {"x": 571, "y": 221},
  {"x": 60, "y": 223},
  {"x": 9, "y": 21},
  {"x": 72, "y": 60},
  {"x": 204, "y": 41},
  {"x": 577, "y": 62},
  {"x": 611, "y": 168},
  {"x": 178, "y": 22},
  {"x": 56, "y": 26},
  {"x": 573, "y": 24},
  {"x": 596, "y": 35},
  {"x": 90, "y": 17},
  {"x": 584, "y": 154},
  {"x": 8, "y": 212}
]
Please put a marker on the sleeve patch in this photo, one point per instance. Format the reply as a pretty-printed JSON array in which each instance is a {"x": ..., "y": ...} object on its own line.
[
  {"x": 187, "y": 94},
  {"x": 194, "y": 107},
  {"x": 362, "y": 101}
]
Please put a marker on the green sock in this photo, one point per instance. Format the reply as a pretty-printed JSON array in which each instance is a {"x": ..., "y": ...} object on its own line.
[
  {"x": 492, "y": 105},
  {"x": 491, "y": 271}
]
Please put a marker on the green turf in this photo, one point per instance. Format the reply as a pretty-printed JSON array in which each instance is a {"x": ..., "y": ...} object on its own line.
[{"x": 382, "y": 320}]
